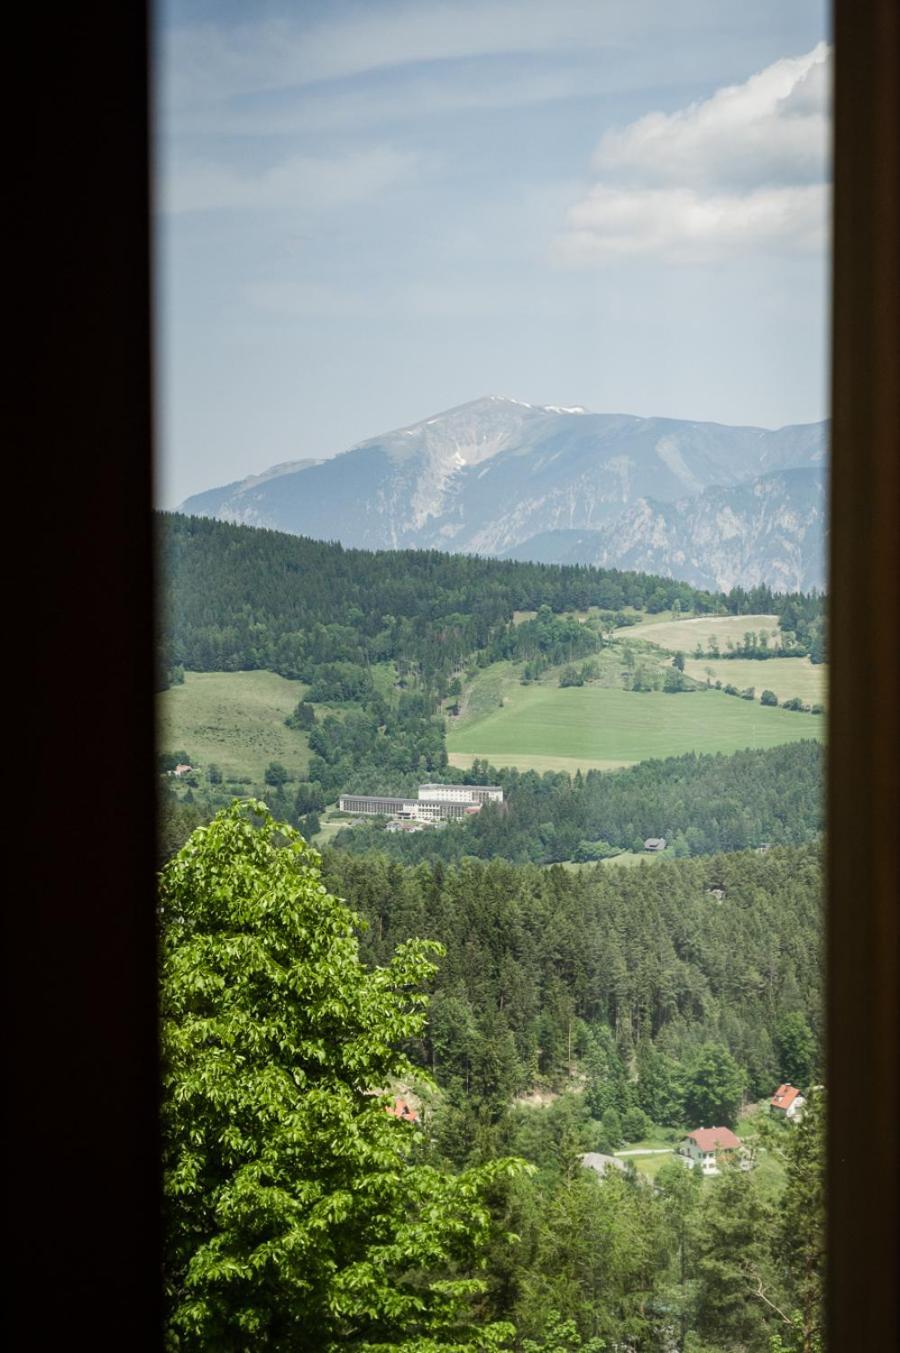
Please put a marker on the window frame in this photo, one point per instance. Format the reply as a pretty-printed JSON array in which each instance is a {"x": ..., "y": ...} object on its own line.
[{"x": 84, "y": 1137}]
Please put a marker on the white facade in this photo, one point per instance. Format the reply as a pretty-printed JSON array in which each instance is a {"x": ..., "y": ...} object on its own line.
[
  {"x": 461, "y": 793},
  {"x": 705, "y": 1159},
  {"x": 409, "y": 810},
  {"x": 708, "y": 1147}
]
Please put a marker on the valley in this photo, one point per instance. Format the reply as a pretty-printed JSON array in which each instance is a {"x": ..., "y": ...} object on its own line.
[{"x": 629, "y": 940}]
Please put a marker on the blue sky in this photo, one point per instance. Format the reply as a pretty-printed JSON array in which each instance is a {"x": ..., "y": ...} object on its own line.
[{"x": 367, "y": 213}]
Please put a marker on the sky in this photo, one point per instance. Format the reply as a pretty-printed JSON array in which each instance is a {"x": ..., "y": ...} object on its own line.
[{"x": 366, "y": 213}]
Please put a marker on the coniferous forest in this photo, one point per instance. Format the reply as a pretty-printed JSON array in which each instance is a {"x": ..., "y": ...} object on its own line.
[{"x": 389, "y": 1064}]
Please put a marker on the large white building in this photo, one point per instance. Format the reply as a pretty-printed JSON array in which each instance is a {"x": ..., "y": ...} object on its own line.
[
  {"x": 462, "y": 793},
  {"x": 410, "y": 810}
]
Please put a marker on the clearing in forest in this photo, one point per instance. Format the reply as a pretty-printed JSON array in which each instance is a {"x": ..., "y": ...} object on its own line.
[
  {"x": 685, "y": 635},
  {"x": 587, "y": 724},
  {"x": 235, "y": 719},
  {"x": 784, "y": 677}
]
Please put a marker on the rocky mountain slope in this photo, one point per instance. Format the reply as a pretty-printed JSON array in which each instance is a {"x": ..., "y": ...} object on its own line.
[
  {"x": 495, "y": 476},
  {"x": 769, "y": 531}
]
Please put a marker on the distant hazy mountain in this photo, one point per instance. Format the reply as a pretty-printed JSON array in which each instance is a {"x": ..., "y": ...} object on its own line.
[
  {"x": 489, "y": 476},
  {"x": 769, "y": 531}
]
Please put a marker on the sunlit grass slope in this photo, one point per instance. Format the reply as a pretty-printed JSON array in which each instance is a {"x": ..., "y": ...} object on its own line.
[
  {"x": 785, "y": 677},
  {"x": 590, "y": 724},
  {"x": 687, "y": 634},
  {"x": 235, "y": 719}
]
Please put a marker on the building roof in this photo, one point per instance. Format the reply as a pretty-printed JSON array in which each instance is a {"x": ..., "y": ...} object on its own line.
[
  {"x": 714, "y": 1139},
  {"x": 400, "y": 1109},
  {"x": 411, "y": 803},
  {"x": 383, "y": 798},
  {"x": 438, "y": 784},
  {"x": 784, "y": 1096},
  {"x": 595, "y": 1160},
  {"x": 655, "y": 843}
]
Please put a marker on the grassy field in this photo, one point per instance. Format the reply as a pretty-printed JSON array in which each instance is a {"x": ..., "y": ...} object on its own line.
[
  {"x": 786, "y": 677},
  {"x": 329, "y": 830},
  {"x": 235, "y": 719},
  {"x": 590, "y": 724},
  {"x": 685, "y": 635},
  {"x": 524, "y": 761}
]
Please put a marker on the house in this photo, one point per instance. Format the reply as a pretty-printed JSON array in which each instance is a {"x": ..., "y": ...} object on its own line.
[
  {"x": 400, "y": 1109},
  {"x": 182, "y": 770},
  {"x": 710, "y": 1147},
  {"x": 595, "y": 1160},
  {"x": 655, "y": 843},
  {"x": 787, "y": 1102}
]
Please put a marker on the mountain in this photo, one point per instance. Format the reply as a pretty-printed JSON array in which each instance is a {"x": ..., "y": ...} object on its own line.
[
  {"x": 216, "y": 502},
  {"x": 769, "y": 531},
  {"x": 487, "y": 476}
]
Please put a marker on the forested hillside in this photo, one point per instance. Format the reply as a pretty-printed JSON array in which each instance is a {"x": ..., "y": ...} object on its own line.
[
  {"x": 700, "y": 804},
  {"x": 630, "y": 974},
  {"x": 238, "y": 597},
  {"x": 632, "y": 1007}
]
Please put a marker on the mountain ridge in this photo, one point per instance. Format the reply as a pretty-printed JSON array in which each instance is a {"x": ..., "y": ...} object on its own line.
[{"x": 492, "y": 474}]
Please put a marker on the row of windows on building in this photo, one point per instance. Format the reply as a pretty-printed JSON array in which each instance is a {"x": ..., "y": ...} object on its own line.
[{"x": 435, "y": 803}]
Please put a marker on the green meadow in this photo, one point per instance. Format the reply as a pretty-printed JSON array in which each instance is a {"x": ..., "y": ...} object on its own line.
[
  {"x": 685, "y": 635},
  {"x": 235, "y": 719},
  {"x": 785, "y": 677},
  {"x": 590, "y": 724}
]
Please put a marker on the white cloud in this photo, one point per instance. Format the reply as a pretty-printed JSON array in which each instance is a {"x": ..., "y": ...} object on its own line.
[
  {"x": 684, "y": 224},
  {"x": 745, "y": 169},
  {"x": 300, "y": 183}
]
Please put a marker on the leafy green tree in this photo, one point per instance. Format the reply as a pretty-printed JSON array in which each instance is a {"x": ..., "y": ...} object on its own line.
[
  {"x": 800, "y": 1241},
  {"x": 277, "y": 774},
  {"x": 768, "y": 698},
  {"x": 300, "y": 1214},
  {"x": 738, "y": 1287},
  {"x": 678, "y": 661},
  {"x": 797, "y": 1050},
  {"x": 635, "y": 1125},
  {"x": 310, "y": 798},
  {"x": 303, "y": 717},
  {"x": 213, "y": 774},
  {"x": 714, "y": 1085}
]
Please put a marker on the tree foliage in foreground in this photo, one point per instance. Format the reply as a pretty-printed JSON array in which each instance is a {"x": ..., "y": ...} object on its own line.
[{"x": 300, "y": 1214}]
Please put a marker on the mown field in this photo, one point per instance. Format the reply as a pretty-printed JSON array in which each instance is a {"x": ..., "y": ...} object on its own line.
[
  {"x": 785, "y": 677},
  {"x": 685, "y": 635},
  {"x": 590, "y": 724},
  {"x": 235, "y": 719}
]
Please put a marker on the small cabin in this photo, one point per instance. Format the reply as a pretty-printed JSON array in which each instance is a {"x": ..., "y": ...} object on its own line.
[
  {"x": 654, "y": 844},
  {"x": 787, "y": 1102}
]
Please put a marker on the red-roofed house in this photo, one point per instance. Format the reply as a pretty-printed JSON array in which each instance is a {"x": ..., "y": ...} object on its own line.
[
  {"x": 707, "y": 1147},
  {"x": 787, "y": 1102},
  {"x": 400, "y": 1109}
]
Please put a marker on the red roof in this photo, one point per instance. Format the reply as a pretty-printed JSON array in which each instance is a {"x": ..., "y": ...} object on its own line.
[
  {"x": 400, "y": 1109},
  {"x": 784, "y": 1097},
  {"x": 714, "y": 1139}
]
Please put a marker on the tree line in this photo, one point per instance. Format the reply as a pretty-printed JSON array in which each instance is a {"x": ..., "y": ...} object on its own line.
[
  {"x": 701, "y": 804},
  {"x": 239, "y": 598},
  {"x": 302, "y": 1215}
]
